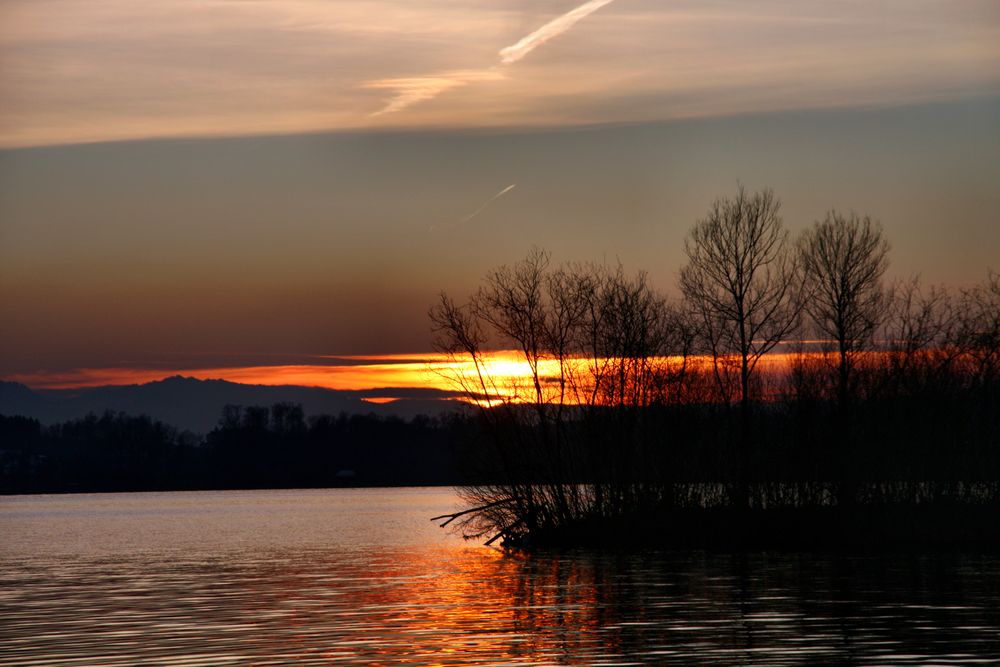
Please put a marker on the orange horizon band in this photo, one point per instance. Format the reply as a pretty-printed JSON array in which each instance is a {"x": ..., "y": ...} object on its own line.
[{"x": 426, "y": 371}]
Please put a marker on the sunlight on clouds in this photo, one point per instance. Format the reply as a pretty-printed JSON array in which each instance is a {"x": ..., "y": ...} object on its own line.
[
  {"x": 508, "y": 376},
  {"x": 418, "y": 89},
  {"x": 76, "y": 71},
  {"x": 411, "y": 91},
  {"x": 394, "y": 371}
]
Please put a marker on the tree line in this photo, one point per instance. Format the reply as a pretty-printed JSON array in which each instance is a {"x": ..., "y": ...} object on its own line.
[
  {"x": 251, "y": 447},
  {"x": 635, "y": 405}
]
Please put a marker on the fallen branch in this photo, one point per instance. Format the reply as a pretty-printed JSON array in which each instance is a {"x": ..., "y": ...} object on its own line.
[
  {"x": 455, "y": 515},
  {"x": 504, "y": 532}
]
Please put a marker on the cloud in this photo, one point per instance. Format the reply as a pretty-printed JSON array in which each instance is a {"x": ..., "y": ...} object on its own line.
[
  {"x": 409, "y": 91},
  {"x": 419, "y": 89},
  {"x": 553, "y": 28},
  {"x": 412, "y": 90},
  {"x": 77, "y": 72}
]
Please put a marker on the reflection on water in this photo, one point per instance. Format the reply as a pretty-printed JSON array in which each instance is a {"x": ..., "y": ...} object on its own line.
[{"x": 361, "y": 576}]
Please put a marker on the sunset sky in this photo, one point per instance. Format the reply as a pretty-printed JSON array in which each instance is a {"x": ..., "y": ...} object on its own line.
[{"x": 252, "y": 183}]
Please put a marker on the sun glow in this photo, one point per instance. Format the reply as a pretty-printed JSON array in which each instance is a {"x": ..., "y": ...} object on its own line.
[
  {"x": 500, "y": 376},
  {"x": 348, "y": 373}
]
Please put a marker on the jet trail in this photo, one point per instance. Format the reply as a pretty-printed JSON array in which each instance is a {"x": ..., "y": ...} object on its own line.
[
  {"x": 487, "y": 203},
  {"x": 483, "y": 207},
  {"x": 553, "y": 28},
  {"x": 419, "y": 89}
]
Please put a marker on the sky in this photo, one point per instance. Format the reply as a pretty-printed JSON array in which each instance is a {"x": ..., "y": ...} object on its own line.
[{"x": 242, "y": 183}]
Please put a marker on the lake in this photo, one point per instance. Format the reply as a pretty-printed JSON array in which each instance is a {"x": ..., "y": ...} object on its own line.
[{"x": 361, "y": 576}]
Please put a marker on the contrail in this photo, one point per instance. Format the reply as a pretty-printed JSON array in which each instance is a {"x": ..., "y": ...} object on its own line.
[
  {"x": 419, "y": 89},
  {"x": 487, "y": 203},
  {"x": 553, "y": 28},
  {"x": 483, "y": 207}
]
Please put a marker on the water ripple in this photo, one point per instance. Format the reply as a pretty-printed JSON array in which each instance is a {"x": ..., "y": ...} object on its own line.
[{"x": 242, "y": 586}]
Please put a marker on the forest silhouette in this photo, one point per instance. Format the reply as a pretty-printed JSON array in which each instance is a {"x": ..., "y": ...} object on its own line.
[
  {"x": 251, "y": 447},
  {"x": 664, "y": 423}
]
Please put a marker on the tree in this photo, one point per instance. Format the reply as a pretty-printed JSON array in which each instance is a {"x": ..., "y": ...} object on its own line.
[
  {"x": 978, "y": 334},
  {"x": 740, "y": 284},
  {"x": 919, "y": 327},
  {"x": 572, "y": 439},
  {"x": 843, "y": 260}
]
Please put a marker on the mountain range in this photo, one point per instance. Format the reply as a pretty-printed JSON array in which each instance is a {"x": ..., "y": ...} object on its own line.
[{"x": 196, "y": 405}]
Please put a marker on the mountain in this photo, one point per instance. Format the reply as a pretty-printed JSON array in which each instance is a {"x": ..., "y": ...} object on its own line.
[{"x": 195, "y": 405}]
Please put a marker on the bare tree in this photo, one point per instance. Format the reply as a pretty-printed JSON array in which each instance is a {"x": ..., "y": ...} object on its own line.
[
  {"x": 572, "y": 438},
  {"x": 843, "y": 260},
  {"x": 919, "y": 323},
  {"x": 741, "y": 284},
  {"x": 978, "y": 331},
  {"x": 512, "y": 302}
]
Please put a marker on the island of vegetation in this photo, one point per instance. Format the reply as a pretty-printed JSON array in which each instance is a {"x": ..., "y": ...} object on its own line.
[{"x": 790, "y": 396}]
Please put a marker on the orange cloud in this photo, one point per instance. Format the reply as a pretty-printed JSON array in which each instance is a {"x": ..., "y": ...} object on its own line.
[
  {"x": 351, "y": 373},
  {"x": 508, "y": 374}
]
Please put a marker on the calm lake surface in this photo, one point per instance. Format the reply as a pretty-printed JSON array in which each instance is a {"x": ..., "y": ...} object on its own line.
[{"x": 362, "y": 576}]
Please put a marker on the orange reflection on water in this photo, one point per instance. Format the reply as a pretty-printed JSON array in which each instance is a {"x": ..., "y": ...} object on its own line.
[{"x": 454, "y": 606}]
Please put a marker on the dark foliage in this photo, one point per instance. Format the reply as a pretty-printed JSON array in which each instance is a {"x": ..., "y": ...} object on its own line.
[
  {"x": 252, "y": 447},
  {"x": 670, "y": 424}
]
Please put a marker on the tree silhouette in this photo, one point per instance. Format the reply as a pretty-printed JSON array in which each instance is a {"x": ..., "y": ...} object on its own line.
[
  {"x": 843, "y": 260},
  {"x": 741, "y": 283},
  {"x": 595, "y": 343},
  {"x": 978, "y": 330}
]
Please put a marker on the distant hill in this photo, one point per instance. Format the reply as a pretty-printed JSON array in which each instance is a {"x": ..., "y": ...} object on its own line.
[{"x": 195, "y": 405}]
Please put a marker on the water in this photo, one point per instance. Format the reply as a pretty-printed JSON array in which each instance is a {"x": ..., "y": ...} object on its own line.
[{"x": 322, "y": 577}]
